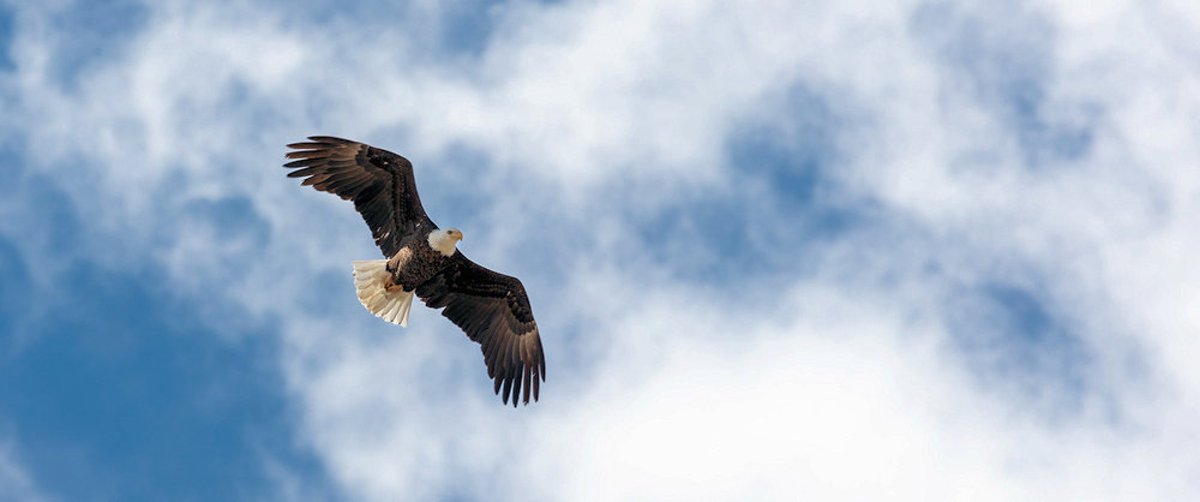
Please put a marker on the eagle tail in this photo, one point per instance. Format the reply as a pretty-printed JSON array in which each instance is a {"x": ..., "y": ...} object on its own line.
[{"x": 371, "y": 279}]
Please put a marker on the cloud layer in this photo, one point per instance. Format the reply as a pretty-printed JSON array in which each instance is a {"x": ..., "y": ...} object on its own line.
[{"x": 840, "y": 250}]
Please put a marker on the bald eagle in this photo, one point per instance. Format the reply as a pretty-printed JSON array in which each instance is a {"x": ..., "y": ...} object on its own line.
[{"x": 423, "y": 260}]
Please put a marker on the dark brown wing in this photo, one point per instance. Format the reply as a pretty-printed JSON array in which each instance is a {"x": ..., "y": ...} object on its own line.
[
  {"x": 493, "y": 310},
  {"x": 380, "y": 183}
]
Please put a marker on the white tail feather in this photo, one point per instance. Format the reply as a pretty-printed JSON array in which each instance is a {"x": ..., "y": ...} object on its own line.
[{"x": 370, "y": 280}]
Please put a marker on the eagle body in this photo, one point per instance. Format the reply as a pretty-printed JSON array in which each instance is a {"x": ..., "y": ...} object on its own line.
[
  {"x": 385, "y": 287},
  {"x": 421, "y": 257},
  {"x": 423, "y": 261}
]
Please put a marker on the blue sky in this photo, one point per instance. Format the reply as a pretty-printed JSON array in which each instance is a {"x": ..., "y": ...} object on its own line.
[{"x": 929, "y": 251}]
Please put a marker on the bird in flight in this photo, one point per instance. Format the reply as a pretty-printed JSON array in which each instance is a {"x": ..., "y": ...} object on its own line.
[{"x": 423, "y": 260}]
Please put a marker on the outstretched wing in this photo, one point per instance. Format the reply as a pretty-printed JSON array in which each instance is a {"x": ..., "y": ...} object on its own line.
[
  {"x": 380, "y": 183},
  {"x": 493, "y": 310}
]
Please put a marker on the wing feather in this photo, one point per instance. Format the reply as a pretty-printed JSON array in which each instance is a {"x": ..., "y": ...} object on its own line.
[
  {"x": 380, "y": 183},
  {"x": 493, "y": 310}
]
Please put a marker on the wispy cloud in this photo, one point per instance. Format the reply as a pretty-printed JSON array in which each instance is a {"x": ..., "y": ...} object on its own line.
[
  {"x": 844, "y": 250},
  {"x": 15, "y": 482}
]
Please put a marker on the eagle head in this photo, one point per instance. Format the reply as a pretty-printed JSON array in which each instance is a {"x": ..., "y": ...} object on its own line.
[{"x": 445, "y": 240}]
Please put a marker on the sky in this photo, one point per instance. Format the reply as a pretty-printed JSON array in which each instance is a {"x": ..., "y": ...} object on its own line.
[{"x": 851, "y": 250}]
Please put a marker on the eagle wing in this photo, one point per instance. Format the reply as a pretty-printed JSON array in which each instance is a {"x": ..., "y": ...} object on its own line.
[
  {"x": 380, "y": 183},
  {"x": 492, "y": 309}
]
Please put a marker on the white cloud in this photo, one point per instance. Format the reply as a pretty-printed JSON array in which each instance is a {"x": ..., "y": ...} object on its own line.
[
  {"x": 15, "y": 483},
  {"x": 846, "y": 385}
]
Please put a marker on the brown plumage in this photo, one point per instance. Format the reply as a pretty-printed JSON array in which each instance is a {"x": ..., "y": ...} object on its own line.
[{"x": 491, "y": 308}]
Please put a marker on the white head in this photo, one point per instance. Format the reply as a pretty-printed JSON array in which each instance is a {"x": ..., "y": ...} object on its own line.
[{"x": 444, "y": 240}]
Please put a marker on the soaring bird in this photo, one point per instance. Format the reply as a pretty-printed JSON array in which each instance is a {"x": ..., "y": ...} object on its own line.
[{"x": 422, "y": 259}]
